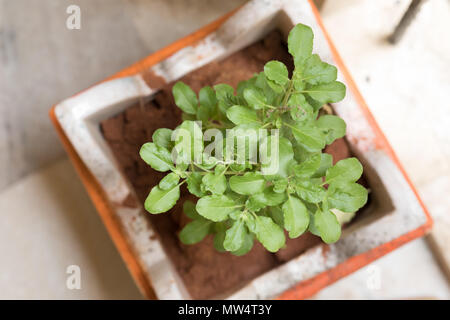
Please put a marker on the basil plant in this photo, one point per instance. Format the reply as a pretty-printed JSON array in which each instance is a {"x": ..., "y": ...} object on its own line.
[{"x": 297, "y": 188}]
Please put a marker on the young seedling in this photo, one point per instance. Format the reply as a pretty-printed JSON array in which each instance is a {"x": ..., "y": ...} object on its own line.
[{"x": 241, "y": 201}]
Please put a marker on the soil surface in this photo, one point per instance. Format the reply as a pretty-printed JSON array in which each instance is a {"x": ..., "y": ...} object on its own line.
[{"x": 205, "y": 272}]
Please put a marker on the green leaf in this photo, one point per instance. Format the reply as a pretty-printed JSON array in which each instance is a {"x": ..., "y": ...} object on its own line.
[
  {"x": 208, "y": 101},
  {"x": 326, "y": 161},
  {"x": 207, "y": 97},
  {"x": 219, "y": 238},
  {"x": 225, "y": 96},
  {"x": 253, "y": 204},
  {"x": 215, "y": 207},
  {"x": 300, "y": 43},
  {"x": 185, "y": 97},
  {"x": 189, "y": 210},
  {"x": 269, "y": 197},
  {"x": 296, "y": 217},
  {"x": 333, "y": 126},
  {"x": 158, "y": 158},
  {"x": 194, "y": 181},
  {"x": 328, "y": 226},
  {"x": 242, "y": 115},
  {"x": 223, "y": 91},
  {"x": 254, "y": 98},
  {"x": 311, "y": 137},
  {"x": 169, "y": 181},
  {"x": 195, "y": 231},
  {"x": 249, "y": 183},
  {"x": 277, "y": 215},
  {"x": 315, "y": 71},
  {"x": 279, "y": 185},
  {"x": 328, "y": 92},
  {"x": 276, "y": 163},
  {"x": 344, "y": 171},
  {"x": 310, "y": 191},
  {"x": 247, "y": 245},
  {"x": 189, "y": 142},
  {"x": 234, "y": 237},
  {"x": 162, "y": 137},
  {"x": 301, "y": 110},
  {"x": 215, "y": 183},
  {"x": 269, "y": 234},
  {"x": 277, "y": 72},
  {"x": 348, "y": 197},
  {"x": 159, "y": 200},
  {"x": 308, "y": 167}
]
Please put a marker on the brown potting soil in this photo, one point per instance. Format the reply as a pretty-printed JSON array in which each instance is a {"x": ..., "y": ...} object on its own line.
[{"x": 205, "y": 272}]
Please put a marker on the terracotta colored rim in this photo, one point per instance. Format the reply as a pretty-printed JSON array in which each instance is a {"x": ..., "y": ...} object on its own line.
[{"x": 106, "y": 211}]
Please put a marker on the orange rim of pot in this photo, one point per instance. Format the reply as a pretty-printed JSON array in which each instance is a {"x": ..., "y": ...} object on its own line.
[{"x": 305, "y": 288}]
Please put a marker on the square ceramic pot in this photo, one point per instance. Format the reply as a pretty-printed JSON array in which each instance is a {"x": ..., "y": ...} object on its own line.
[{"x": 397, "y": 215}]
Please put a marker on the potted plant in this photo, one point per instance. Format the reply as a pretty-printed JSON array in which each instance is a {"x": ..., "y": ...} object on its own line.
[
  {"x": 243, "y": 196},
  {"x": 105, "y": 127}
]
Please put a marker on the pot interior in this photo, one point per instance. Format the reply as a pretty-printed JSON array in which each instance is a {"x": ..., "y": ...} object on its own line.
[{"x": 205, "y": 272}]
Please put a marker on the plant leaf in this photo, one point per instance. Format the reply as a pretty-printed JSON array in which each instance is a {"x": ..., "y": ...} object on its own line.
[
  {"x": 280, "y": 161},
  {"x": 315, "y": 71},
  {"x": 162, "y": 137},
  {"x": 328, "y": 226},
  {"x": 348, "y": 197},
  {"x": 207, "y": 97},
  {"x": 194, "y": 181},
  {"x": 277, "y": 215},
  {"x": 158, "y": 158},
  {"x": 195, "y": 231},
  {"x": 277, "y": 72},
  {"x": 242, "y": 115},
  {"x": 279, "y": 185},
  {"x": 334, "y": 127},
  {"x": 301, "y": 110},
  {"x": 169, "y": 181},
  {"x": 344, "y": 171},
  {"x": 309, "y": 191},
  {"x": 189, "y": 142},
  {"x": 327, "y": 92},
  {"x": 247, "y": 245},
  {"x": 311, "y": 137},
  {"x": 300, "y": 43},
  {"x": 309, "y": 166},
  {"x": 159, "y": 200},
  {"x": 296, "y": 217},
  {"x": 326, "y": 161},
  {"x": 189, "y": 210},
  {"x": 208, "y": 102},
  {"x": 269, "y": 197},
  {"x": 185, "y": 97},
  {"x": 254, "y": 98},
  {"x": 269, "y": 234},
  {"x": 249, "y": 183},
  {"x": 234, "y": 237},
  {"x": 215, "y": 207},
  {"x": 215, "y": 183}
]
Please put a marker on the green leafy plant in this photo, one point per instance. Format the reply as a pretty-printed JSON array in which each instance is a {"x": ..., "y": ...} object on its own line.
[{"x": 238, "y": 202}]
